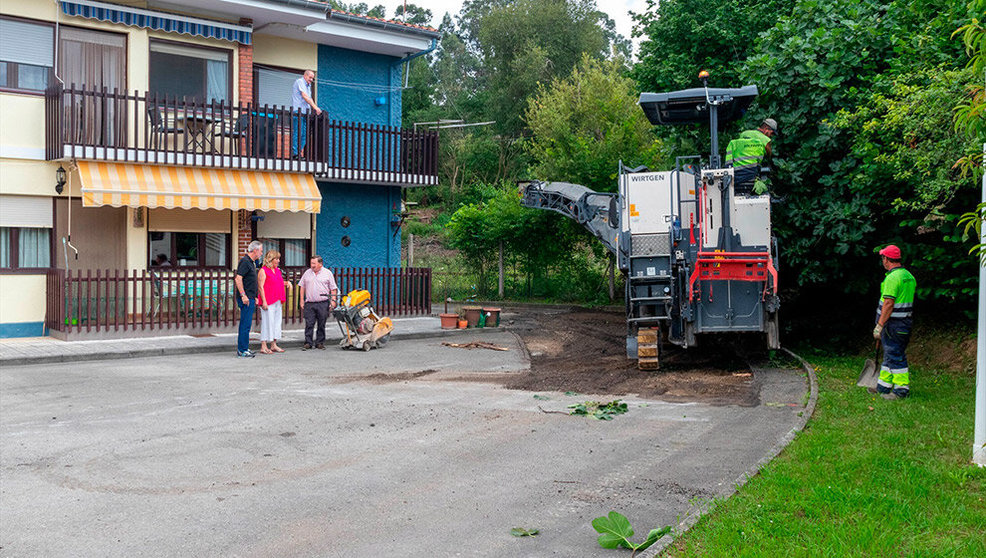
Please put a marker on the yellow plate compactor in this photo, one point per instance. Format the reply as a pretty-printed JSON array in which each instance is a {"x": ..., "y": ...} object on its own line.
[{"x": 361, "y": 327}]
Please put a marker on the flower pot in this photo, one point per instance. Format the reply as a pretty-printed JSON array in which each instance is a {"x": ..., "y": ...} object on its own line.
[
  {"x": 463, "y": 324},
  {"x": 448, "y": 320},
  {"x": 492, "y": 317},
  {"x": 472, "y": 315}
]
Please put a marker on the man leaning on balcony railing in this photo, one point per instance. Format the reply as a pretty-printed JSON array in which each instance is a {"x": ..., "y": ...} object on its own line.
[{"x": 302, "y": 102}]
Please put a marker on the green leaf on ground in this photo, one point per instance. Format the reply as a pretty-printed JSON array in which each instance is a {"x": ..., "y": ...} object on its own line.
[
  {"x": 522, "y": 532},
  {"x": 598, "y": 410},
  {"x": 541, "y": 397},
  {"x": 616, "y": 531}
]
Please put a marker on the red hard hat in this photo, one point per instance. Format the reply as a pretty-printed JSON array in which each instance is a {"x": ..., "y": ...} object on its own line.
[{"x": 891, "y": 252}]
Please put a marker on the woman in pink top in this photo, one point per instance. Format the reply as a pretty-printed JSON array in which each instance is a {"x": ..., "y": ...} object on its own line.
[{"x": 270, "y": 299}]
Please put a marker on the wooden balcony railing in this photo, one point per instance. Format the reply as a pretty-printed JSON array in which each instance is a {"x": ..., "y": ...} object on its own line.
[
  {"x": 197, "y": 300},
  {"x": 101, "y": 125}
]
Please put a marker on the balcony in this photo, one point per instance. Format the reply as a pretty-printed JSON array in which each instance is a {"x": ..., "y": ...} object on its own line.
[{"x": 99, "y": 125}]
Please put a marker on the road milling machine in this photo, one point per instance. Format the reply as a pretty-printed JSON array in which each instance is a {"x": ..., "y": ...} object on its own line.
[{"x": 698, "y": 258}]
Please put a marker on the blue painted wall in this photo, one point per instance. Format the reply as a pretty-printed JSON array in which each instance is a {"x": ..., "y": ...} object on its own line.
[
  {"x": 370, "y": 210},
  {"x": 21, "y": 329},
  {"x": 378, "y": 76}
]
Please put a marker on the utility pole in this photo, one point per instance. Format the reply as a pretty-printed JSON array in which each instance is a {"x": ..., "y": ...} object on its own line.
[{"x": 979, "y": 439}]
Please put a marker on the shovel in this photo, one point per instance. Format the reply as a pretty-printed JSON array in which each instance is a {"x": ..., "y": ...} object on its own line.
[{"x": 869, "y": 375}]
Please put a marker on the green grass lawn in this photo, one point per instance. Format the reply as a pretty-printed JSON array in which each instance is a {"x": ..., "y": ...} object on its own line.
[{"x": 867, "y": 477}]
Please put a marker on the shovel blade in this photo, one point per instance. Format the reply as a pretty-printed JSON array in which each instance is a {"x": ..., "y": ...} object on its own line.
[{"x": 869, "y": 375}]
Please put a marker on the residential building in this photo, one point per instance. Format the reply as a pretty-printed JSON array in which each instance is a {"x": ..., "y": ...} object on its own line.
[{"x": 171, "y": 123}]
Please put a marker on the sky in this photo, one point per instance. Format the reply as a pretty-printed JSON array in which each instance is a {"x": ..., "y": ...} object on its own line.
[{"x": 618, "y": 10}]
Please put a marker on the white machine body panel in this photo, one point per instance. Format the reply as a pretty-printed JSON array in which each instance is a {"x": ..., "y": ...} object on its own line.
[
  {"x": 711, "y": 208},
  {"x": 648, "y": 198},
  {"x": 751, "y": 220}
]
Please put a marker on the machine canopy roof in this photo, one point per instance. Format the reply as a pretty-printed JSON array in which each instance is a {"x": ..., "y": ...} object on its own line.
[{"x": 689, "y": 105}]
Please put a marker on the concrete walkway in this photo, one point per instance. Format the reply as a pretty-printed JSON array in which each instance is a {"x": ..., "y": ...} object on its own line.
[{"x": 45, "y": 350}]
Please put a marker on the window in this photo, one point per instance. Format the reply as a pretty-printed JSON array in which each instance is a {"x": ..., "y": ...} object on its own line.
[
  {"x": 25, "y": 248},
  {"x": 273, "y": 85},
  {"x": 27, "y": 53},
  {"x": 190, "y": 249},
  {"x": 183, "y": 71},
  {"x": 294, "y": 251}
]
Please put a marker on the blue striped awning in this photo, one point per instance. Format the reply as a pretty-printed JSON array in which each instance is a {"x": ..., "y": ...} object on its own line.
[{"x": 148, "y": 19}]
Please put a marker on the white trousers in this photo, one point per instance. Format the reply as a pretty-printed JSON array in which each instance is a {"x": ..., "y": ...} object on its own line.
[{"x": 270, "y": 322}]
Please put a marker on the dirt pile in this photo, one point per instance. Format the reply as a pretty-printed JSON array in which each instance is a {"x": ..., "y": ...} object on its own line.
[{"x": 584, "y": 351}]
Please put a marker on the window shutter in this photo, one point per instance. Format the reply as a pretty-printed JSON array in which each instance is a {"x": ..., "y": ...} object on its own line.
[
  {"x": 26, "y": 211},
  {"x": 26, "y": 43}
]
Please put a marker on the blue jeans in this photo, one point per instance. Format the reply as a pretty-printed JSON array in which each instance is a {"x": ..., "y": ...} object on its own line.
[
  {"x": 246, "y": 320},
  {"x": 299, "y": 129}
]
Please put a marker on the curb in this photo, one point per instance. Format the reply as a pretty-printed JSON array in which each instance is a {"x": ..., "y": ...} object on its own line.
[
  {"x": 202, "y": 349},
  {"x": 692, "y": 518}
]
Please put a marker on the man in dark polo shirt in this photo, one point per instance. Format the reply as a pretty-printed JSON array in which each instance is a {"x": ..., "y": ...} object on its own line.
[{"x": 246, "y": 290}]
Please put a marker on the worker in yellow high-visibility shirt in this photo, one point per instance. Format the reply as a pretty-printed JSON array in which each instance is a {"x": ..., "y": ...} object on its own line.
[{"x": 746, "y": 153}]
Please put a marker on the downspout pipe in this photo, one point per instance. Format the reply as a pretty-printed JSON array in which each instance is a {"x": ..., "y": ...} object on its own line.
[
  {"x": 434, "y": 45},
  {"x": 407, "y": 59}
]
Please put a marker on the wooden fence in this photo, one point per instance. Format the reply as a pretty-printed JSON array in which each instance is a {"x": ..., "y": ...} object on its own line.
[{"x": 199, "y": 300}]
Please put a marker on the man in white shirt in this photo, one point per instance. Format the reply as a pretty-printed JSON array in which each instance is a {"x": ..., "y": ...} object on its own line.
[{"x": 301, "y": 101}]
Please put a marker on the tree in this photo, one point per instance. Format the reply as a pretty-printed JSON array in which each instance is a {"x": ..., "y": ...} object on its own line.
[
  {"x": 970, "y": 116},
  {"x": 526, "y": 42},
  {"x": 684, "y": 37},
  {"x": 477, "y": 229},
  {"x": 378, "y": 11},
  {"x": 904, "y": 150},
  {"x": 415, "y": 15},
  {"x": 583, "y": 124},
  {"x": 822, "y": 58}
]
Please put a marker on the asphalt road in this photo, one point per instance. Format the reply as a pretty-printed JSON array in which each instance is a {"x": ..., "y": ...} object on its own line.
[{"x": 411, "y": 450}]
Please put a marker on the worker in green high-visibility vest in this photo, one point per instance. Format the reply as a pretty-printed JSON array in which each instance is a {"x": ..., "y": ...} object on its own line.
[
  {"x": 746, "y": 153},
  {"x": 894, "y": 322}
]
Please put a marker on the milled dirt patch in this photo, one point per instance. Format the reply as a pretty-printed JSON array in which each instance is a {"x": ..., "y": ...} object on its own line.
[{"x": 584, "y": 351}]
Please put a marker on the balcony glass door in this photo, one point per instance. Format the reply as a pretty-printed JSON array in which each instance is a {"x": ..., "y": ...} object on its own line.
[{"x": 94, "y": 60}]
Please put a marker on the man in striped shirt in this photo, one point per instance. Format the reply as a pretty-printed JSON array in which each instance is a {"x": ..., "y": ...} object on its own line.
[{"x": 894, "y": 320}]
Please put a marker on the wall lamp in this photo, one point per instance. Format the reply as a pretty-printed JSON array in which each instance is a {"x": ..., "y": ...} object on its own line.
[{"x": 59, "y": 180}]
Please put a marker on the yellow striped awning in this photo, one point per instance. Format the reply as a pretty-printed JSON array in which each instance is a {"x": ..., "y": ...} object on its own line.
[{"x": 135, "y": 185}]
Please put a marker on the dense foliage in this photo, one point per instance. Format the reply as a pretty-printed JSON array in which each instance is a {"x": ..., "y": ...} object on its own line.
[{"x": 867, "y": 150}]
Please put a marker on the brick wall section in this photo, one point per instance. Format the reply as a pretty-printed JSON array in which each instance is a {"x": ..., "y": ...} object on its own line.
[
  {"x": 245, "y": 81},
  {"x": 244, "y": 233},
  {"x": 245, "y": 90}
]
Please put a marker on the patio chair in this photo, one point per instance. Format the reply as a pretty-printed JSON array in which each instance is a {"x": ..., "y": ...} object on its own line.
[
  {"x": 160, "y": 127},
  {"x": 234, "y": 130}
]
